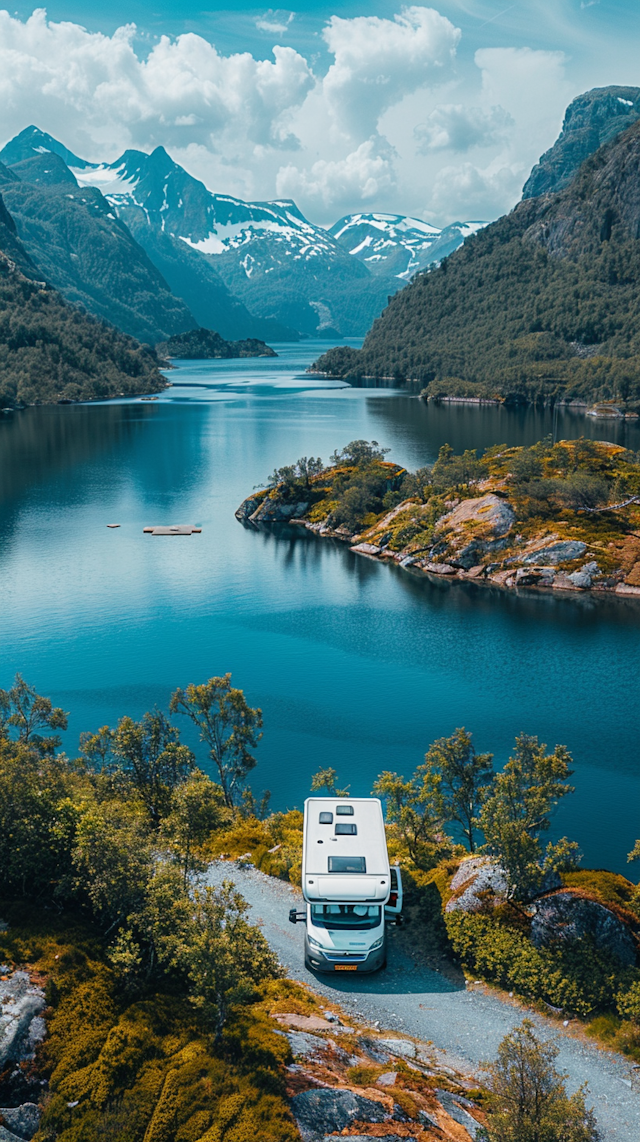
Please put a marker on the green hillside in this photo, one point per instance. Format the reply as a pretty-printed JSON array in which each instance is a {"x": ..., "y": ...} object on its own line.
[
  {"x": 87, "y": 253},
  {"x": 544, "y": 303},
  {"x": 51, "y": 351}
]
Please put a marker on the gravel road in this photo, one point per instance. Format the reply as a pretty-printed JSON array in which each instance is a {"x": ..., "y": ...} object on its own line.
[{"x": 465, "y": 1024}]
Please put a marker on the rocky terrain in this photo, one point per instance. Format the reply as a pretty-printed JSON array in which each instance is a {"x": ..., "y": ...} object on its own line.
[
  {"x": 355, "y": 1081},
  {"x": 22, "y": 1027},
  {"x": 500, "y": 530},
  {"x": 590, "y": 121}
]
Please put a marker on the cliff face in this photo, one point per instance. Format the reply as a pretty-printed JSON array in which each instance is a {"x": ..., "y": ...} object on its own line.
[{"x": 591, "y": 120}]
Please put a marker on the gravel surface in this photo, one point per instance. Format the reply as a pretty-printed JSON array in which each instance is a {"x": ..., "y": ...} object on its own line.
[{"x": 465, "y": 1024}]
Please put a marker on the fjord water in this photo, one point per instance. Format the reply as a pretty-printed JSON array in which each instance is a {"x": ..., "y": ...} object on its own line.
[{"x": 355, "y": 664}]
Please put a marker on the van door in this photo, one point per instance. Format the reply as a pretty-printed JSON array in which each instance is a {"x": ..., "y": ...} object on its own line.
[{"x": 393, "y": 909}]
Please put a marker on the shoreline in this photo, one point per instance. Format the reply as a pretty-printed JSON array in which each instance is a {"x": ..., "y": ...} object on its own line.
[{"x": 503, "y": 580}]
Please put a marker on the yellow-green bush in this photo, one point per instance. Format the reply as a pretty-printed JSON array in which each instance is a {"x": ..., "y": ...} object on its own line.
[
  {"x": 143, "y": 1071},
  {"x": 576, "y": 976}
]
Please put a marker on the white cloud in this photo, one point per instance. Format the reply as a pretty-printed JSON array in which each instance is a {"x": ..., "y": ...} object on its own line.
[
  {"x": 458, "y": 128},
  {"x": 377, "y": 62},
  {"x": 73, "y": 82},
  {"x": 363, "y": 176},
  {"x": 468, "y": 191},
  {"x": 275, "y": 22}
]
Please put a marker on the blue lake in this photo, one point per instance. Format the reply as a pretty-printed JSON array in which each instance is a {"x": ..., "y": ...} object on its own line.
[{"x": 355, "y": 664}]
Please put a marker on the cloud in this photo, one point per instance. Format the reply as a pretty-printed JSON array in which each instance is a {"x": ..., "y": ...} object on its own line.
[
  {"x": 275, "y": 21},
  {"x": 363, "y": 176},
  {"x": 377, "y": 62},
  {"x": 74, "y": 82},
  {"x": 458, "y": 128},
  {"x": 471, "y": 192}
]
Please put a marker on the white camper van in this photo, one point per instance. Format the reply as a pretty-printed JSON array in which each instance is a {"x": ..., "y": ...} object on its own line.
[{"x": 348, "y": 885}]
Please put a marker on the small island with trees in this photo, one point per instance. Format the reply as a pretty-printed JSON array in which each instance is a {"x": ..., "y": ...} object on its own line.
[{"x": 559, "y": 516}]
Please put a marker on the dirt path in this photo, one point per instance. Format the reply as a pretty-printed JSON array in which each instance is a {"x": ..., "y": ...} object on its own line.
[{"x": 467, "y": 1023}]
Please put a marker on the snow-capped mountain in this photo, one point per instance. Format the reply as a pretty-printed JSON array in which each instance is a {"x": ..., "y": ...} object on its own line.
[
  {"x": 267, "y": 253},
  {"x": 395, "y": 245},
  {"x": 237, "y": 263}
]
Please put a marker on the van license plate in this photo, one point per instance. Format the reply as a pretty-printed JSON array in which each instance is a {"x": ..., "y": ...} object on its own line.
[{"x": 346, "y": 967}]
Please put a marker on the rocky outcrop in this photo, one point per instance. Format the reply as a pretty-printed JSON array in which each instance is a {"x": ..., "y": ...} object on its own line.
[
  {"x": 22, "y": 1027},
  {"x": 480, "y": 881},
  {"x": 322, "y": 1112},
  {"x": 590, "y": 120},
  {"x": 473, "y": 529},
  {"x": 373, "y": 1085},
  {"x": 263, "y": 508},
  {"x": 566, "y": 916},
  {"x": 19, "y": 1121}
]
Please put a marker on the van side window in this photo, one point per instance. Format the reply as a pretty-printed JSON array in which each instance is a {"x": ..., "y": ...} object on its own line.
[
  {"x": 394, "y": 880},
  {"x": 326, "y": 818},
  {"x": 347, "y": 830},
  {"x": 344, "y": 810},
  {"x": 347, "y": 864}
]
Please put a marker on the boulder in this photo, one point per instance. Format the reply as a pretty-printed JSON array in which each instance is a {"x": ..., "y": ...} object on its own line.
[
  {"x": 476, "y": 876},
  {"x": 330, "y": 1110},
  {"x": 535, "y": 576},
  {"x": 275, "y": 511},
  {"x": 22, "y": 1121},
  {"x": 496, "y": 516},
  {"x": 474, "y": 529},
  {"x": 583, "y": 578},
  {"x": 303, "y": 1044},
  {"x": 567, "y": 915},
  {"x": 455, "y": 1107},
  {"x": 562, "y": 552},
  {"x": 20, "y": 1006}
]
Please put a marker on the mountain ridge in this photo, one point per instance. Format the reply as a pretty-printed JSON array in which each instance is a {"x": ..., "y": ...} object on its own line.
[{"x": 543, "y": 304}]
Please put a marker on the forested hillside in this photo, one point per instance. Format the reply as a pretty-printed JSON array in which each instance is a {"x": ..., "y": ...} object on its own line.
[
  {"x": 544, "y": 303},
  {"x": 84, "y": 251},
  {"x": 50, "y": 351}
]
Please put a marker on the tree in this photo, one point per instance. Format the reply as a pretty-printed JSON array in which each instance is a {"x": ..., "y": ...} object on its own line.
[
  {"x": 359, "y": 454},
  {"x": 97, "y": 748},
  {"x": 528, "y": 1101},
  {"x": 24, "y": 709},
  {"x": 113, "y": 860},
  {"x": 224, "y": 955},
  {"x": 415, "y": 809},
  {"x": 518, "y": 808},
  {"x": 450, "y": 470},
  {"x": 39, "y": 810},
  {"x": 197, "y": 809},
  {"x": 148, "y": 753},
  {"x": 228, "y": 725},
  {"x": 464, "y": 776},
  {"x": 326, "y": 779},
  {"x": 298, "y": 476}
]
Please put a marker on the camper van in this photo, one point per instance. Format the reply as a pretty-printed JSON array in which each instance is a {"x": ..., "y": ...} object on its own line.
[{"x": 350, "y": 890}]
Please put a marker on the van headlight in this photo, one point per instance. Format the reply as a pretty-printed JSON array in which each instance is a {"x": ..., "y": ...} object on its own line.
[
  {"x": 378, "y": 944},
  {"x": 315, "y": 943}
]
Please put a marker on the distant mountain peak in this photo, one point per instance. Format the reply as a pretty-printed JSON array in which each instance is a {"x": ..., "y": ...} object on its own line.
[
  {"x": 32, "y": 141},
  {"x": 396, "y": 245}
]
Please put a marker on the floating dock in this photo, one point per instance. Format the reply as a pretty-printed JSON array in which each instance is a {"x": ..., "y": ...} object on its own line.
[{"x": 173, "y": 529}]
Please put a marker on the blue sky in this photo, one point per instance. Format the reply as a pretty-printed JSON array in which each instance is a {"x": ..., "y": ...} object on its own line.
[{"x": 438, "y": 112}]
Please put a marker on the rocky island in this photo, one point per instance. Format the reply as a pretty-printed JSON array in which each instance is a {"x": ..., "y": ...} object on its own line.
[{"x": 562, "y": 517}]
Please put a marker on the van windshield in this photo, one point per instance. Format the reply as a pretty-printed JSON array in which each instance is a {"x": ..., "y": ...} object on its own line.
[{"x": 358, "y": 917}]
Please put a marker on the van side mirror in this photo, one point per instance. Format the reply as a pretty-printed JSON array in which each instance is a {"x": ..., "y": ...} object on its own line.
[{"x": 296, "y": 917}]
